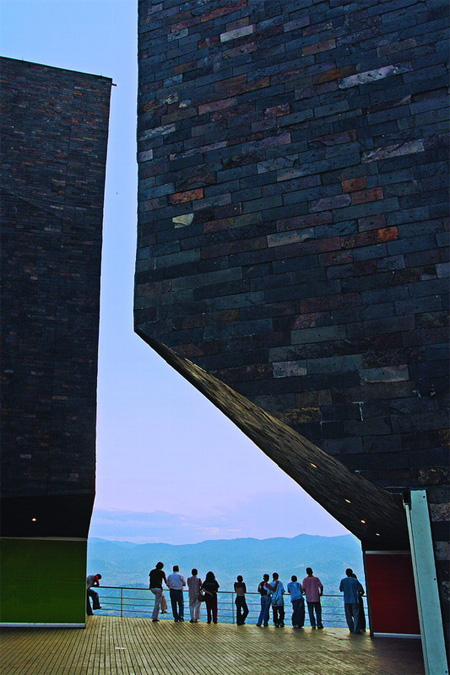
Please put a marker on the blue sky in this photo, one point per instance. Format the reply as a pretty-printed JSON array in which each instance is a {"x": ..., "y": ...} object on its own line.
[{"x": 170, "y": 467}]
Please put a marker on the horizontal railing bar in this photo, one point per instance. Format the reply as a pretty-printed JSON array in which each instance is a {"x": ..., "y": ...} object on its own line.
[
  {"x": 138, "y": 602},
  {"x": 185, "y": 590}
]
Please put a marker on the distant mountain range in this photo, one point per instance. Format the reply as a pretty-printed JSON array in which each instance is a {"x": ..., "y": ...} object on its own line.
[{"x": 128, "y": 564}]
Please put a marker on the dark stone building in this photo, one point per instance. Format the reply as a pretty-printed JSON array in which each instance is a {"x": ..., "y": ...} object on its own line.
[
  {"x": 54, "y": 128},
  {"x": 292, "y": 250}
]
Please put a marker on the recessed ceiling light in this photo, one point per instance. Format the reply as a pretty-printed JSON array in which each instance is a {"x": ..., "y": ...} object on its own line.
[
  {"x": 314, "y": 466},
  {"x": 348, "y": 501},
  {"x": 363, "y": 521},
  {"x": 34, "y": 520}
]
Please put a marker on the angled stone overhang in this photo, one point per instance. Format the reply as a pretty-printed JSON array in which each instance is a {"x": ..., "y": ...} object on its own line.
[{"x": 370, "y": 513}]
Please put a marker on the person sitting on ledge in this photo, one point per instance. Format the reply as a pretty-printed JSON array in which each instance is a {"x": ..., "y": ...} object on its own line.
[{"x": 92, "y": 580}]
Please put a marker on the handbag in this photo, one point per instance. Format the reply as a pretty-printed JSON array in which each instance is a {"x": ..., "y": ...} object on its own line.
[{"x": 201, "y": 596}]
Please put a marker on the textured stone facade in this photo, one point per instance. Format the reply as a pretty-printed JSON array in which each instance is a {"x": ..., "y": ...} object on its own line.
[
  {"x": 293, "y": 214},
  {"x": 54, "y": 134}
]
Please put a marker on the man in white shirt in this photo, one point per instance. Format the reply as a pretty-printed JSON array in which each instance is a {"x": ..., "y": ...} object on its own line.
[{"x": 175, "y": 582}]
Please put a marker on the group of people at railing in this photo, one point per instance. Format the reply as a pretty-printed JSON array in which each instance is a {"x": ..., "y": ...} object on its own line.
[{"x": 271, "y": 592}]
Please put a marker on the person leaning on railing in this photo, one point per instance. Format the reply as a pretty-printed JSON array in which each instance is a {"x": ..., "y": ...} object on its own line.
[
  {"x": 210, "y": 587},
  {"x": 266, "y": 601},
  {"x": 176, "y": 582},
  {"x": 157, "y": 576},
  {"x": 276, "y": 589},
  {"x": 295, "y": 590},
  {"x": 194, "y": 585},
  {"x": 241, "y": 606}
]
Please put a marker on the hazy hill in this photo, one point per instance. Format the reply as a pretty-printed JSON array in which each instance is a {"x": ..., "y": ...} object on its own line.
[{"x": 127, "y": 564}]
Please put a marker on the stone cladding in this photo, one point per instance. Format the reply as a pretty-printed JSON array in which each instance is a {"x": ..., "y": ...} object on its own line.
[
  {"x": 293, "y": 215},
  {"x": 54, "y": 127}
]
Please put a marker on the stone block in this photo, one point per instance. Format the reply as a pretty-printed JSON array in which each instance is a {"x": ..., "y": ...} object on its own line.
[
  {"x": 408, "y": 423},
  {"x": 396, "y": 150},
  {"x": 363, "y": 196},
  {"x": 319, "y": 47},
  {"x": 289, "y": 369},
  {"x": 222, "y": 11},
  {"x": 418, "y": 305},
  {"x": 332, "y": 109},
  {"x": 343, "y": 364},
  {"x": 413, "y": 244},
  {"x": 237, "y": 33},
  {"x": 149, "y": 134},
  {"x": 387, "y": 374},
  {"x": 330, "y": 203},
  {"x": 376, "y": 426},
  {"x": 300, "y": 22},
  {"x": 354, "y": 184},
  {"x": 325, "y": 333},
  {"x": 187, "y": 196}
]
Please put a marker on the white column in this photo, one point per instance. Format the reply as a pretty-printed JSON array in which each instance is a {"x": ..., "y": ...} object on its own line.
[{"x": 425, "y": 579}]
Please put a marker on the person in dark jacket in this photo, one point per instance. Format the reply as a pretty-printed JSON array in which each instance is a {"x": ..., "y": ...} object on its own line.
[
  {"x": 210, "y": 588},
  {"x": 241, "y": 606},
  {"x": 157, "y": 576},
  {"x": 266, "y": 601},
  {"x": 362, "y": 615}
]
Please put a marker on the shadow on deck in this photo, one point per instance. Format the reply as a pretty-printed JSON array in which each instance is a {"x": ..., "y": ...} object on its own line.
[{"x": 126, "y": 646}]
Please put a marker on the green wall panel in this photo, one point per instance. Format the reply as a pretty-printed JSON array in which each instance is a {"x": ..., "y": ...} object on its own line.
[{"x": 43, "y": 581}]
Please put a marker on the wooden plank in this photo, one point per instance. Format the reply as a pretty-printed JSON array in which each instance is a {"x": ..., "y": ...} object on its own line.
[{"x": 128, "y": 646}]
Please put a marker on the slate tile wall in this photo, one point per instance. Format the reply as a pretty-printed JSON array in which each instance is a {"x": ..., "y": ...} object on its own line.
[
  {"x": 54, "y": 127},
  {"x": 293, "y": 217}
]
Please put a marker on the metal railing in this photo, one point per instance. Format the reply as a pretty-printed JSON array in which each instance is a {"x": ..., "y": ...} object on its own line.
[{"x": 138, "y": 602}]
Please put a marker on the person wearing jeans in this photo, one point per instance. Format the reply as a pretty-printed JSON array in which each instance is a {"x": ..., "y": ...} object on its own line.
[
  {"x": 266, "y": 601},
  {"x": 277, "y": 589},
  {"x": 92, "y": 580},
  {"x": 176, "y": 582},
  {"x": 352, "y": 590},
  {"x": 313, "y": 589},
  {"x": 241, "y": 605}
]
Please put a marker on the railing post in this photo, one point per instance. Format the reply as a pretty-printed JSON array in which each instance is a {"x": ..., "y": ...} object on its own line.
[
  {"x": 232, "y": 607},
  {"x": 121, "y": 603}
]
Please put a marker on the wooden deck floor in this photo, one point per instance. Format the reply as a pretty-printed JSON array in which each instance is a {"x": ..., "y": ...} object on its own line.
[{"x": 115, "y": 646}]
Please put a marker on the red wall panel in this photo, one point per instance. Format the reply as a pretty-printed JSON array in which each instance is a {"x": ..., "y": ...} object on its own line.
[{"x": 390, "y": 583}]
